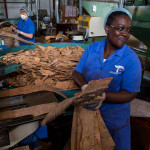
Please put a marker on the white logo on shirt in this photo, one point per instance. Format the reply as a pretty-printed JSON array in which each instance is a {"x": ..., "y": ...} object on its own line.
[{"x": 119, "y": 70}]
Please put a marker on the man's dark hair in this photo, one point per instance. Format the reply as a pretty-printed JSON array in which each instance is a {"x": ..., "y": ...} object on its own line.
[{"x": 113, "y": 15}]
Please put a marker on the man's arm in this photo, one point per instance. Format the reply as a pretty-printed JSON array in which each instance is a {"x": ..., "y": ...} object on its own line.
[{"x": 27, "y": 35}]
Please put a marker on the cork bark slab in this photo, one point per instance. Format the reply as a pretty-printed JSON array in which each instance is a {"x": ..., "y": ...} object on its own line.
[
  {"x": 34, "y": 111},
  {"x": 79, "y": 98},
  {"x": 89, "y": 131},
  {"x": 28, "y": 89}
]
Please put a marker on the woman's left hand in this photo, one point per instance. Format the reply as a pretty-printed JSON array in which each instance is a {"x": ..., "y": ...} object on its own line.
[{"x": 95, "y": 103}]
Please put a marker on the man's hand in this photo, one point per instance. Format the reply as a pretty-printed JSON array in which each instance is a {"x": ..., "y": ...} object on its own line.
[
  {"x": 13, "y": 28},
  {"x": 18, "y": 31}
]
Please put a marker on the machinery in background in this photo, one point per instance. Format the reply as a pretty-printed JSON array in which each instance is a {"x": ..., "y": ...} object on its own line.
[
  {"x": 89, "y": 28},
  {"x": 141, "y": 25},
  {"x": 45, "y": 26},
  {"x": 92, "y": 26},
  {"x": 7, "y": 69}
]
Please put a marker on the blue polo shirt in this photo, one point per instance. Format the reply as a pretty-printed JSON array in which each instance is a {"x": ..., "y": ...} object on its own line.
[
  {"x": 27, "y": 27},
  {"x": 123, "y": 65},
  {"x": 125, "y": 68}
]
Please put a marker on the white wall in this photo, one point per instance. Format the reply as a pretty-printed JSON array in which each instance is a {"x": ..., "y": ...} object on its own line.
[{"x": 13, "y": 8}]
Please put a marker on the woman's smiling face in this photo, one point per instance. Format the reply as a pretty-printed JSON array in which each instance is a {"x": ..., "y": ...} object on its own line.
[{"x": 119, "y": 31}]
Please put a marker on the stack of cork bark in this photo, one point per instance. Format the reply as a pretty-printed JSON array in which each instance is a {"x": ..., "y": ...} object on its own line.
[
  {"x": 89, "y": 131},
  {"x": 50, "y": 66}
]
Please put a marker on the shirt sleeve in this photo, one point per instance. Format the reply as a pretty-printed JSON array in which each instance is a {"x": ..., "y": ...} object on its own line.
[
  {"x": 80, "y": 65},
  {"x": 131, "y": 79}
]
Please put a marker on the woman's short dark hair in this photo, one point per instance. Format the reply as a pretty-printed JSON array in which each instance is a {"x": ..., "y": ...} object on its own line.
[{"x": 113, "y": 15}]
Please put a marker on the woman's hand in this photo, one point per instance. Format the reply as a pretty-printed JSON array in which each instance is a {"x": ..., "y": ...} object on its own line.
[{"x": 96, "y": 103}]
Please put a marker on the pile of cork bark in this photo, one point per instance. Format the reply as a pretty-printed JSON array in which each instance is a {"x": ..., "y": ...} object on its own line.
[{"x": 49, "y": 66}]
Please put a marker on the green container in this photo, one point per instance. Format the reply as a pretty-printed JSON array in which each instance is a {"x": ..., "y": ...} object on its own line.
[
  {"x": 141, "y": 24},
  {"x": 30, "y": 47},
  {"x": 12, "y": 20}
]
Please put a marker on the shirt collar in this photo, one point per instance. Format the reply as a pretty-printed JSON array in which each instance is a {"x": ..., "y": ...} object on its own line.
[
  {"x": 101, "y": 46},
  {"x": 26, "y": 20},
  {"x": 119, "y": 52}
]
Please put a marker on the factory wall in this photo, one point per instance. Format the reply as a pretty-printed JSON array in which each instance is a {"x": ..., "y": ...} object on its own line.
[
  {"x": 101, "y": 8},
  {"x": 13, "y": 8}
]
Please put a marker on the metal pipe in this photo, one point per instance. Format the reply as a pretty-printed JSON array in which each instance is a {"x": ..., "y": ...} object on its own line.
[
  {"x": 71, "y": 2},
  {"x": 20, "y": 2},
  {"x": 13, "y": 2},
  {"x": 28, "y": 6},
  {"x": 5, "y": 5},
  {"x": 80, "y": 7},
  {"x": 37, "y": 16},
  {"x": 137, "y": 49},
  {"x": 52, "y": 9},
  {"x": 63, "y": 2},
  {"x": 31, "y": 4},
  {"x": 66, "y": 2},
  {"x": 121, "y": 2},
  {"x": 57, "y": 10},
  {"x": 39, "y": 4}
]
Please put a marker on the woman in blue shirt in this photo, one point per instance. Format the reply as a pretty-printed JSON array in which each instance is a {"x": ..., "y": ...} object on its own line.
[
  {"x": 113, "y": 58},
  {"x": 25, "y": 27}
]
